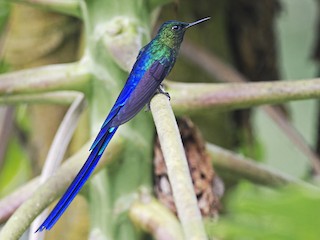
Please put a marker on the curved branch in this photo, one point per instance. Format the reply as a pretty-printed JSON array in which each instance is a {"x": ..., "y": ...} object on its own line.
[
  {"x": 235, "y": 165},
  {"x": 11, "y": 202},
  {"x": 54, "y": 187},
  {"x": 153, "y": 217},
  {"x": 59, "y": 97},
  {"x": 177, "y": 166},
  {"x": 198, "y": 97},
  {"x": 69, "y": 76}
]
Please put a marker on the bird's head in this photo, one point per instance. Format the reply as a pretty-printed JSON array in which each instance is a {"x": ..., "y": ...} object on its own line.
[{"x": 171, "y": 32}]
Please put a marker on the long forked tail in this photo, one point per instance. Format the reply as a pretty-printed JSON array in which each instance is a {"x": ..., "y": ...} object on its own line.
[{"x": 79, "y": 180}]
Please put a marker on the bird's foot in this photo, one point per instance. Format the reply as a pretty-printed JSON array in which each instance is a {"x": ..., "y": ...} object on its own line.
[
  {"x": 148, "y": 108},
  {"x": 161, "y": 90}
]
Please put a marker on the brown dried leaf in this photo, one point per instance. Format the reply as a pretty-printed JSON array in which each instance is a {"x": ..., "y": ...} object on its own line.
[{"x": 202, "y": 173}]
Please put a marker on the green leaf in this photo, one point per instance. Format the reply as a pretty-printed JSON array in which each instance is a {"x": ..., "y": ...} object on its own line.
[{"x": 260, "y": 213}]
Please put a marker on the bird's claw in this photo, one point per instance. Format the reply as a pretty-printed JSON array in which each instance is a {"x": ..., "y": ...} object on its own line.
[
  {"x": 148, "y": 108},
  {"x": 162, "y": 91}
]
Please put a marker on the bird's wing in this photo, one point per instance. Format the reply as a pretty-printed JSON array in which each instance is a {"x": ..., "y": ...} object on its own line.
[
  {"x": 143, "y": 92},
  {"x": 134, "y": 97},
  {"x": 120, "y": 102},
  {"x": 126, "y": 91}
]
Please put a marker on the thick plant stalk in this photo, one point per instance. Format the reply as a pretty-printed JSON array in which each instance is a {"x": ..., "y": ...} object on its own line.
[
  {"x": 57, "y": 97},
  {"x": 153, "y": 217},
  {"x": 197, "y": 97},
  {"x": 177, "y": 166},
  {"x": 11, "y": 202},
  {"x": 69, "y": 76}
]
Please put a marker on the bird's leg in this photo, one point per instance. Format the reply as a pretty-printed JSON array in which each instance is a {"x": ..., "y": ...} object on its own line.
[
  {"x": 161, "y": 90},
  {"x": 147, "y": 107}
]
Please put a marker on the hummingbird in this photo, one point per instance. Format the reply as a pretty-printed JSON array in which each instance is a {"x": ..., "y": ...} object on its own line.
[{"x": 154, "y": 62}]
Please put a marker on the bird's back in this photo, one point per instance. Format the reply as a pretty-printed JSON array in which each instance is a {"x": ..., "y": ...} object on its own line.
[{"x": 142, "y": 82}]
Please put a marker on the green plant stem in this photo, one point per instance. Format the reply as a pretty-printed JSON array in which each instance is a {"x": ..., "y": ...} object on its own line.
[
  {"x": 53, "y": 188},
  {"x": 11, "y": 202},
  {"x": 70, "y": 76},
  {"x": 153, "y": 217},
  {"x": 237, "y": 166},
  {"x": 69, "y": 7},
  {"x": 177, "y": 166},
  {"x": 226, "y": 73},
  {"x": 58, "y": 97},
  {"x": 192, "y": 98}
]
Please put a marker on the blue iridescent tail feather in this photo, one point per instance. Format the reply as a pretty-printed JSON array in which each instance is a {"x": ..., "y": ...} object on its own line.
[{"x": 79, "y": 180}]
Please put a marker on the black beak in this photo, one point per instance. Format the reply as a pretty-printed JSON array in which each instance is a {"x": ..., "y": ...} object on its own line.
[{"x": 197, "y": 22}]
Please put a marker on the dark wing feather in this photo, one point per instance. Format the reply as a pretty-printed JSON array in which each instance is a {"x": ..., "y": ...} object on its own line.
[{"x": 143, "y": 92}]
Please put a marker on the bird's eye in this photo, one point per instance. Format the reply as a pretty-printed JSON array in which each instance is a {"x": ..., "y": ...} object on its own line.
[{"x": 175, "y": 27}]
